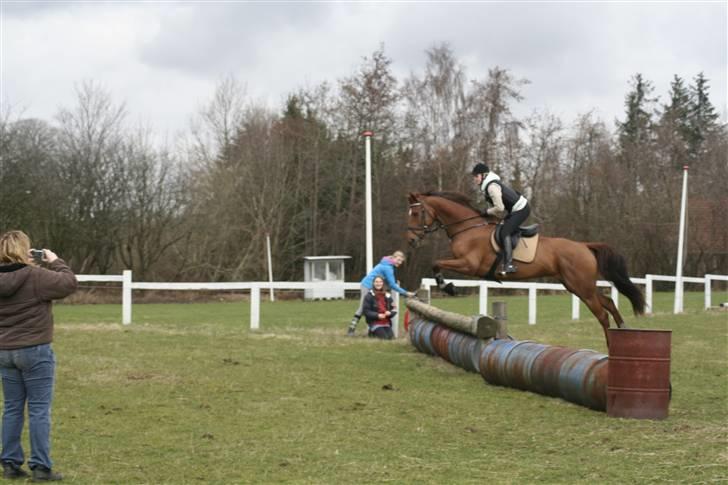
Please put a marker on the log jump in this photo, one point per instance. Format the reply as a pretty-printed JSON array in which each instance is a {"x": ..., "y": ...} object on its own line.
[{"x": 480, "y": 344}]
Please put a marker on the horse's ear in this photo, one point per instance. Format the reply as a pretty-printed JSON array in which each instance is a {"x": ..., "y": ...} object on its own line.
[{"x": 412, "y": 197}]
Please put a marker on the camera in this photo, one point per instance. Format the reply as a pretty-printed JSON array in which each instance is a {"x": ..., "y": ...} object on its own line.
[{"x": 37, "y": 255}]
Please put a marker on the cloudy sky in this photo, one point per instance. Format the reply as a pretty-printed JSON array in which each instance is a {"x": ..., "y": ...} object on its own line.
[{"x": 164, "y": 59}]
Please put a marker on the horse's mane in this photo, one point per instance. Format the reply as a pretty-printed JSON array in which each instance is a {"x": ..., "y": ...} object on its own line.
[{"x": 456, "y": 197}]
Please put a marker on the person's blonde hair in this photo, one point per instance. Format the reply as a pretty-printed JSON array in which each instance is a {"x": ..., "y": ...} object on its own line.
[{"x": 14, "y": 247}]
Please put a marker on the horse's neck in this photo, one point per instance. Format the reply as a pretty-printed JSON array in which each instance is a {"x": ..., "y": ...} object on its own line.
[{"x": 450, "y": 212}]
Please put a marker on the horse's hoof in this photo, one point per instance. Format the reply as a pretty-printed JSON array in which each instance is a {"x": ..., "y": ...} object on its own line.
[{"x": 449, "y": 289}]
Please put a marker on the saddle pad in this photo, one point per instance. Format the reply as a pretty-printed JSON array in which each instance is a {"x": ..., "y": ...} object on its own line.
[{"x": 524, "y": 252}]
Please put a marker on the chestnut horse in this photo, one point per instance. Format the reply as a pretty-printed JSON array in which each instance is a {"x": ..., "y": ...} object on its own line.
[{"x": 576, "y": 265}]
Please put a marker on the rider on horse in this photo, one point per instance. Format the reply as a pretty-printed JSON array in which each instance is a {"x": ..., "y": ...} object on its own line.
[{"x": 506, "y": 204}]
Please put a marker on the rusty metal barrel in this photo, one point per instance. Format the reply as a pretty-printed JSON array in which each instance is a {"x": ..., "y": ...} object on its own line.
[
  {"x": 578, "y": 376},
  {"x": 639, "y": 373},
  {"x": 633, "y": 381}
]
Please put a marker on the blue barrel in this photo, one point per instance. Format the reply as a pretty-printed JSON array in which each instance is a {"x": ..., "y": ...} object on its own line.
[
  {"x": 454, "y": 341},
  {"x": 475, "y": 354},
  {"x": 468, "y": 348},
  {"x": 493, "y": 359},
  {"x": 426, "y": 338},
  {"x": 578, "y": 380}
]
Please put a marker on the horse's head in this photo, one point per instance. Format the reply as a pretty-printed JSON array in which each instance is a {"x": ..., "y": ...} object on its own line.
[
  {"x": 420, "y": 219},
  {"x": 430, "y": 211}
]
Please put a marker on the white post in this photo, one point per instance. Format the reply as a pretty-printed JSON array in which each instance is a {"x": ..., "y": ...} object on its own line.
[
  {"x": 368, "y": 192},
  {"x": 483, "y": 299},
  {"x": 532, "y": 305},
  {"x": 126, "y": 297},
  {"x": 255, "y": 308},
  {"x": 708, "y": 290},
  {"x": 395, "y": 320},
  {"x": 648, "y": 293},
  {"x": 678, "y": 307},
  {"x": 270, "y": 267},
  {"x": 615, "y": 296},
  {"x": 574, "y": 307}
]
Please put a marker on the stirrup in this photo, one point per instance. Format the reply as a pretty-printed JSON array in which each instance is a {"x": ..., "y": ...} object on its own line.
[{"x": 509, "y": 268}]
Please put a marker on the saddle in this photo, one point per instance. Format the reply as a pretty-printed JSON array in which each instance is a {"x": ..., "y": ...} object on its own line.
[{"x": 524, "y": 242}]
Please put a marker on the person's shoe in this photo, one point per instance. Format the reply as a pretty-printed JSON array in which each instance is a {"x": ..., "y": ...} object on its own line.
[
  {"x": 510, "y": 268},
  {"x": 43, "y": 474},
  {"x": 351, "y": 332},
  {"x": 13, "y": 471}
]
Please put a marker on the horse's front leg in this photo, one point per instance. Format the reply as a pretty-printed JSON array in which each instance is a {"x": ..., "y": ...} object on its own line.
[{"x": 460, "y": 265}]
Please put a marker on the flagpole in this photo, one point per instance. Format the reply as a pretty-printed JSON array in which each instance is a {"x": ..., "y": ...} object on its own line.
[
  {"x": 678, "y": 307},
  {"x": 368, "y": 189}
]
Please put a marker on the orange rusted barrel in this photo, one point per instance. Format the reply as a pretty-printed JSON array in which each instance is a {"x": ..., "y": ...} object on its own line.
[
  {"x": 638, "y": 383},
  {"x": 439, "y": 341}
]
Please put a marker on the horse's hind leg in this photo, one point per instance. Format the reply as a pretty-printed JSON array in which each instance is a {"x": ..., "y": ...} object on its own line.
[
  {"x": 609, "y": 305},
  {"x": 594, "y": 303},
  {"x": 590, "y": 295}
]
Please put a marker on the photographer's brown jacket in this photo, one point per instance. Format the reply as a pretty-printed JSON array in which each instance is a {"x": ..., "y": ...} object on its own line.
[{"x": 25, "y": 302}]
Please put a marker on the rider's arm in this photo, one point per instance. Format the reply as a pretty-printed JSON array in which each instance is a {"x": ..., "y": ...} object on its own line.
[{"x": 498, "y": 209}]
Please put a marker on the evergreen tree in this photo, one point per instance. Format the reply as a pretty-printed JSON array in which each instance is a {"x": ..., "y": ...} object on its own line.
[
  {"x": 674, "y": 131},
  {"x": 636, "y": 128},
  {"x": 703, "y": 119}
]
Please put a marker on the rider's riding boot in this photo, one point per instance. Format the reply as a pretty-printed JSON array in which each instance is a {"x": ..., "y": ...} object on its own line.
[{"x": 508, "y": 266}]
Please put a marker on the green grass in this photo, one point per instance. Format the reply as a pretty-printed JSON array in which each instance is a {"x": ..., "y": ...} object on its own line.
[{"x": 188, "y": 394}]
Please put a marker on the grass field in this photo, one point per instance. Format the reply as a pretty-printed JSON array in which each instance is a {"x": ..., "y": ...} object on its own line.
[{"x": 188, "y": 394}]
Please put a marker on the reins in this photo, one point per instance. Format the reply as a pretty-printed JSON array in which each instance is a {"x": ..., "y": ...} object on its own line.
[{"x": 427, "y": 229}]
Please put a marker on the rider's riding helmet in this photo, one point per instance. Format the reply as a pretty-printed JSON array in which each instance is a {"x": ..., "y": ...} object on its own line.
[{"x": 480, "y": 168}]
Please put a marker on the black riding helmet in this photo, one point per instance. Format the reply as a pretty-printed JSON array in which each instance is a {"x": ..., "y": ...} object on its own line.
[{"x": 480, "y": 168}]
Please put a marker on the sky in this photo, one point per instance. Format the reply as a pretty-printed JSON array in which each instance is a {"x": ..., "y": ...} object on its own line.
[{"x": 164, "y": 59}]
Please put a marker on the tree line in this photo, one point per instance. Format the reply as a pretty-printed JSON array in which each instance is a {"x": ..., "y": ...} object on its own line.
[{"x": 107, "y": 195}]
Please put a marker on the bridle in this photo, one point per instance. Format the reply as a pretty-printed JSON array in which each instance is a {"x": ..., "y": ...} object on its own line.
[{"x": 424, "y": 229}]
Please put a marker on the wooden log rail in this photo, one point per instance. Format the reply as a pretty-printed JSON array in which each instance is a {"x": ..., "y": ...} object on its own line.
[{"x": 480, "y": 326}]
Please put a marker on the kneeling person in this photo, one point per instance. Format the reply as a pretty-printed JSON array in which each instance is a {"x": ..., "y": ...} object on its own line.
[{"x": 379, "y": 310}]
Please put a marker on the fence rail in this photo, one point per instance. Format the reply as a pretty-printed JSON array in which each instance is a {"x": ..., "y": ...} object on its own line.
[{"x": 255, "y": 287}]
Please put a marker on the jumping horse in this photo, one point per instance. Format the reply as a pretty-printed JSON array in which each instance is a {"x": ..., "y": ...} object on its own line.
[{"x": 577, "y": 265}]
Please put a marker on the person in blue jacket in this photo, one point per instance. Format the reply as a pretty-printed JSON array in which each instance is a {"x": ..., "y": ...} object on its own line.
[{"x": 385, "y": 269}]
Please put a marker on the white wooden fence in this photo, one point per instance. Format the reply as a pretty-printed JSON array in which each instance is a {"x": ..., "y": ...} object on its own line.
[{"x": 255, "y": 287}]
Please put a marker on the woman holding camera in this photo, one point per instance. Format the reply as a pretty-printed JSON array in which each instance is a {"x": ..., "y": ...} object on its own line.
[{"x": 27, "y": 362}]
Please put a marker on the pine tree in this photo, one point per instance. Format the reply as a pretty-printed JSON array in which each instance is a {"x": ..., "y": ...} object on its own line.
[
  {"x": 674, "y": 131},
  {"x": 703, "y": 119},
  {"x": 635, "y": 129}
]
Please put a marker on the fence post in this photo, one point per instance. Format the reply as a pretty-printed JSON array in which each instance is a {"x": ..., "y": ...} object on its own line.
[
  {"x": 395, "y": 320},
  {"x": 483, "y": 299},
  {"x": 615, "y": 296},
  {"x": 532, "y": 305},
  {"x": 574, "y": 307},
  {"x": 126, "y": 297},
  {"x": 648, "y": 293},
  {"x": 708, "y": 290},
  {"x": 255, "y": 308}
]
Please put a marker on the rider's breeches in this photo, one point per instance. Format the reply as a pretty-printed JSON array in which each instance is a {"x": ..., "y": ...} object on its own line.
[{"x": 514, "y": 219}]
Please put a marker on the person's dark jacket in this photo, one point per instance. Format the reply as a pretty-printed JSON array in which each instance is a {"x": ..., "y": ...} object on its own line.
[
  {"x": 374, "y": 303},
  {"x": 25, "y": 302}
]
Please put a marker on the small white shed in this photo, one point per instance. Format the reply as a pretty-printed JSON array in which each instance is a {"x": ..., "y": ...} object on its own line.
[{"x": 320, "y": 269}]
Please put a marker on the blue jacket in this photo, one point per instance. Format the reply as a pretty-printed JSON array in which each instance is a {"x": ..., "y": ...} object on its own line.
[{"x": 385, "y": 269}]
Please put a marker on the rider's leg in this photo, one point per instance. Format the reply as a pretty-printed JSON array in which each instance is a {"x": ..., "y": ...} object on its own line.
[{"x": 510, "y": 226}]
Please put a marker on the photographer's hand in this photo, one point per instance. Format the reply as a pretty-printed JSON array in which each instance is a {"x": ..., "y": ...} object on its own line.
[{"x": 49, "y": 256}]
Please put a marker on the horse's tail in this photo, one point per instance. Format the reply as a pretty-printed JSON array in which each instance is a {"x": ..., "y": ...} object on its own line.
[{"x": 613, "y": 267}]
